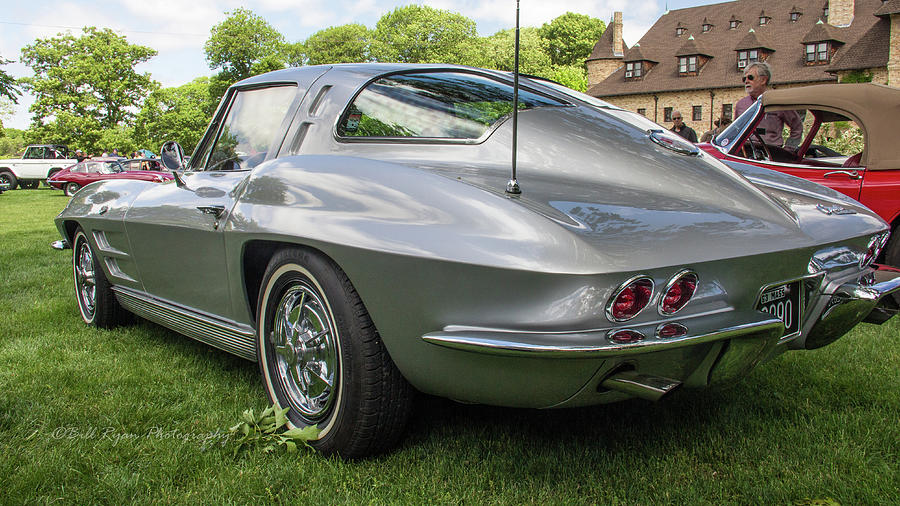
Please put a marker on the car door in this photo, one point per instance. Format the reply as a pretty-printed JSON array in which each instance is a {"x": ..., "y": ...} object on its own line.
[{"x": 176, "y": 230}]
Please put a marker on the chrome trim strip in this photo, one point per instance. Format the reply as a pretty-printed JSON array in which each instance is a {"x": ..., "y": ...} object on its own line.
[
  {"x": 232, "y": 337},
  {"x": 105, "y": 248},
  {"x": 594, "y": 344}
]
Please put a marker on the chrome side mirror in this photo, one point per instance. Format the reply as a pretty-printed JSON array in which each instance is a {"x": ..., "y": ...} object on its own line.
[{"x": 172, "y": 155}]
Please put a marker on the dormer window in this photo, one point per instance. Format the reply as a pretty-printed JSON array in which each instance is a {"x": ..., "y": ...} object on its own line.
[
  {"x": 679, "y": 31},
  {"x": 634, "y": 70},
  {"x": 687, "y": 65},
  {"x": 764, "y": 20},
  {"x": 795, "y": 14},
  {"x": 706, "y": 27},
  {"x": 733, "y": 23},
  {"x": 817, "y": 53},
  {"x": 747, "y": 57}
]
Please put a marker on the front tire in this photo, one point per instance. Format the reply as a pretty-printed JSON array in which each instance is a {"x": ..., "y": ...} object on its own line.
[
  {"x": 321, "y": 356},
  {"x": 8, "y": 179},
  {"x": 96, "y": 300},
  {"x": 71, "y": 189}
]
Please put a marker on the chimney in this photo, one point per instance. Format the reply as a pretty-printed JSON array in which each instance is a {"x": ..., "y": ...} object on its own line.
[
  {"x": 840, "y": 12},
  {"x": 619, "y": 46}
]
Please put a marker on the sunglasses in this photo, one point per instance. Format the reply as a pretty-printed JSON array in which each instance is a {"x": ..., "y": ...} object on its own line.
[
  {"x": 675, "y": 118},
  {"x": 748, "y": 78}
]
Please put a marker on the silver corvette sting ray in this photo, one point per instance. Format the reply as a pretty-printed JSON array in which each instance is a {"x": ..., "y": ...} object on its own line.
[{"x": 351, "y": 228}]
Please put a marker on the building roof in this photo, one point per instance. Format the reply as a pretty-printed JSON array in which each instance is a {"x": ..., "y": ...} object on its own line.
[
  {"x": 780, "y": 36},
  {"x": 889, "y": 7},
  {"x": 603, "y": 49},
  {"x": 635, "y": 54},
  {"x": 822, "y": 32}
]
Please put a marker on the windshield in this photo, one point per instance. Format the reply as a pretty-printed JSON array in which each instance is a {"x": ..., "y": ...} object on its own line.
[{"x": 731, "y": 134}]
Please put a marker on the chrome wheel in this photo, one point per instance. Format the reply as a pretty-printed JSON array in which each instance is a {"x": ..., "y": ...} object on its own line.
[
  {"x": 85, "y": 281},
  {"x": 306, "y": 351},
  {"x": 72, "y": 189}
]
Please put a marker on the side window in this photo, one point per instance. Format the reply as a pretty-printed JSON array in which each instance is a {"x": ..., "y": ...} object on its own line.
[
  {"x": 249, "y": 127},
  {"x": 433, "y": 105},
  {"x": 34, "y": 153}
]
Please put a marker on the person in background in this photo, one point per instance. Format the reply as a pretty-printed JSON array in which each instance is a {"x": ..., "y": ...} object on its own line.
[
  {"x": 709, "y": 134},
  {"x": 681, "y": 129},
  {"x": 80, "y": 156},
  {"x": 756, "y": 78}
]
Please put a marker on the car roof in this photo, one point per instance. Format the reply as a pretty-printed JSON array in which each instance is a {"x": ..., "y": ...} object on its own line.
[
  {"x": 876, "y": 107},
  {"x": 362, "y": 72}
]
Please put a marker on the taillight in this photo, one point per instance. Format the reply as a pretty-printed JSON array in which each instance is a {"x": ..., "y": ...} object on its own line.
[
  {"x": 629, "y": 299},
  {"x": 671, "y": 331},
  {"x": 626, "y": 336},
  {"x": 678, "y": 292}
]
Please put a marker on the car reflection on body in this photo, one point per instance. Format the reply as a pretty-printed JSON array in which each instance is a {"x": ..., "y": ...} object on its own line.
[
  {"x": 871, "y": 176},
  {"x": 73, "y": 178},
  {"x": 353, "y": 229}
]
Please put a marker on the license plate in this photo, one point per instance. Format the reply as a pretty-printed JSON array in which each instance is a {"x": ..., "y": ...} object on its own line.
[{"x": 783, "y": 302}]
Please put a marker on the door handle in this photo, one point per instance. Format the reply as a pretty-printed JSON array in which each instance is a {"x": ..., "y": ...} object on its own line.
[
  {"x": 216, "y": 210},
  {"x": 852, "y": 174}
]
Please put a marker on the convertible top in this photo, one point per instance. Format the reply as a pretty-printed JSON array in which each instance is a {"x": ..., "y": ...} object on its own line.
[{"x": 874, "y": 106}]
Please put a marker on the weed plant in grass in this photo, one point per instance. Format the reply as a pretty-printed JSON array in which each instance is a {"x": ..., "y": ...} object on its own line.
[{"x": 137, "y": 414}]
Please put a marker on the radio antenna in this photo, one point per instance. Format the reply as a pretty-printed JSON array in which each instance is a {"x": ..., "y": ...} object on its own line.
[{"x": 512, "y": 187}]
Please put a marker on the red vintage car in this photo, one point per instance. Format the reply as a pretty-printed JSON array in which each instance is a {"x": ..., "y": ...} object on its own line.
[
  {"x": 870, "y": 112},
  {"x": 73, "y": 178}
]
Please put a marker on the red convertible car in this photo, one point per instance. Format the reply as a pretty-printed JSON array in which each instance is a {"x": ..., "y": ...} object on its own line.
[
  {"x": 871, "y": 175},
  {"x": 73, "y": 178}
]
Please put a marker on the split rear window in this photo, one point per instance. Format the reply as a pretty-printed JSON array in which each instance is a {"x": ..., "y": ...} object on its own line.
[{"x": 433, "y": 105}]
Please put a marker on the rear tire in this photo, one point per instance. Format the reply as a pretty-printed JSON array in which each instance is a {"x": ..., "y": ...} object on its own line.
[
  {"x": 321, "y": 356},
  {"x": 96, "y": 300},
  {"x": 8, "y": 179},
  {"x": 892, "y": 254}
]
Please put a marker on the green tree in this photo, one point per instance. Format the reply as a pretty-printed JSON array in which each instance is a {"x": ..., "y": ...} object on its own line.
[
  {"x": 571, "y": 37},
  {"x": 338, "y": 44},
  {"x": 8, "y": 88},
  {"x": 180, "y": 114},
  {"x": 421, "y": 34},
  {"x": 244, "y": 45},
  {"x": 498, "y": 52},
  {"x": 119, "y": 137},
  {"x": 12, "y": 142},
  {"x": 84, "y": 85},
  {"x": 572, "y": 76}
]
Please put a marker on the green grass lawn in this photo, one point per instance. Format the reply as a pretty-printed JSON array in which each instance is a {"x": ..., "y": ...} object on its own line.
[{"x": 92, "y": 416}]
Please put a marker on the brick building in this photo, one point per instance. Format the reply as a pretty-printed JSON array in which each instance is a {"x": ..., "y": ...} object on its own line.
[{"x": 692, "y": 59}]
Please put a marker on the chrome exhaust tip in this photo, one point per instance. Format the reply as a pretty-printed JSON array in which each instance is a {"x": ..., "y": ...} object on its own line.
[{"x": 652, "y": 388}]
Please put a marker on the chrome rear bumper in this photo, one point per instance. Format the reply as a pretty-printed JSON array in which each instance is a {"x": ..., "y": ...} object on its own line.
[{"x": 851, "y": 303}]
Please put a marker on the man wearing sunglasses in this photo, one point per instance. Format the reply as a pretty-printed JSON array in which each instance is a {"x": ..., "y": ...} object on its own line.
[
  {"x": 756, "y": 80},
  {"x": 681, "y": 129}
]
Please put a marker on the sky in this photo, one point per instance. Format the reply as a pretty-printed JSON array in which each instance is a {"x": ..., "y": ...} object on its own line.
[{"x": 177, "y": 29}]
